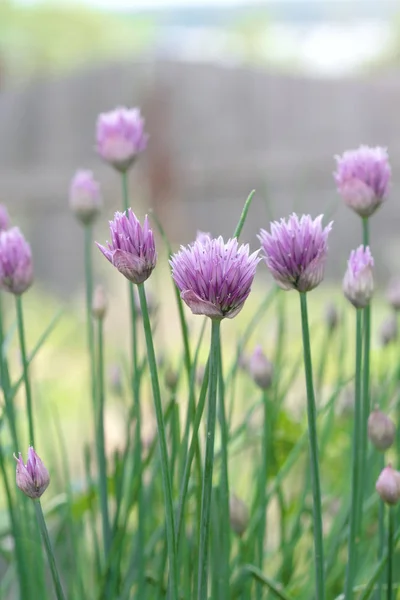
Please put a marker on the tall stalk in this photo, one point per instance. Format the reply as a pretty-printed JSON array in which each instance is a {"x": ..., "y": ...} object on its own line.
[
  {"x": 25, "y": 366},
  {"x": 356, "y": 492},
  {"x": 313, "y": 443},
  {"x": 169, "y": 509},
  {"x": 49, "y": 550},
  {"x": 202, "y": 589}
]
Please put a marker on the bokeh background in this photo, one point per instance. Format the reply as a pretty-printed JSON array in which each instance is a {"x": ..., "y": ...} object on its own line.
[{"x": 237, "y": 95}]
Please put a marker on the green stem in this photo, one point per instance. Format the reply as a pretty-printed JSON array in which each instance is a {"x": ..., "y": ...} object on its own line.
[
  {"x": 89, "y": 321},
  {"x": 365, "y": 389},
  {"x": 49, "y": 551},
  {"x": 100, "y": 442},
  {"x": 263, "y": 478},
  {"x": 392, "y": 517},
  {"x": 6, "y": 387},
  {"x": 356, "y": 495},
  {"x": 169, "y": 511},
  {"x": 25, "y": 365},
  {"x": 135, "y": 386},
  {"x": 224, "y": 485},
  {"x": 381, "y": 528},
  {"x": 312, "y": 432},
  {"x": 202, "y": 590}
]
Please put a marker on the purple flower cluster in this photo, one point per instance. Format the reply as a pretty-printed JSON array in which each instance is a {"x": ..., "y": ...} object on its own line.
[
  {"x": 295, "y": 251},
  {"x": 16, "y": 269},
  {"x": 363, "y": 178},
  {"x": 121, "y": 137},
  {"x": 32, "y": 478},
  {"x": 132, "y": 249},
  {"x": 214, "y": 277},
  {"x": 358, "y": 282}
]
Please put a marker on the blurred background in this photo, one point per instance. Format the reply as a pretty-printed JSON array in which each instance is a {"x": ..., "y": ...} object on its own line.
[{"x": 236, "y": 94}]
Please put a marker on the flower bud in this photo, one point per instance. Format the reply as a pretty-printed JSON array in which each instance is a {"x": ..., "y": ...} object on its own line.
[
  {"x": 381, "y": 430},
  {"x": 389, "y": 330},
  {"x": 16, "y": 268},
  {"x": 84, "y": 197},
  {"x": 32, "y": 478},
  {"x": 99, "y": 302},
  {"x": 358, "y": 283},
  {"x": 260, "y": 368},
  {"x": 171, "y": 378},
  {"x": 388, "y": 485},
  {"x": 331, "y": 316},
  {"x": 238, "y": 515},
  {"x": 393, "y": 294},
  {"x": 115, "y": 380}
]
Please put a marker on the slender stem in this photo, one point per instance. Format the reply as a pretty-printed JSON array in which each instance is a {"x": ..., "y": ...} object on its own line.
[
  {"x": 312, "y": 432},
  {"x": 263, "y": 477},
  {"x": 381, "y": 529},
  {"x": 169, "y": 511},
  {"x": 356, "y": 495},
  {"x": 100, "y": 441},
  {"x": 89, "y": 321},
  {"x": 208, "y": 465},
  {"x": 365, "y": 388},
  {"x": 25, "y": 365},
  {"x": 49, "y": 551},
  {"x": 6, "y": 387},
  {"x": 224, "y": 484},
  {"x": 135, "y": 387},
  {"x": 392, "y": 517}
]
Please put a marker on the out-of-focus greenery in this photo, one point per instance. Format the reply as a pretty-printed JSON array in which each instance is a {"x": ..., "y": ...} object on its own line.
[{"x": 46, "y": 38}]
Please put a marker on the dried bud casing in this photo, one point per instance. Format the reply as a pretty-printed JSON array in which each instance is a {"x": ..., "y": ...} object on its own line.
[
  {"x": 381, "y": 430},
  {"x": 32, "y": 478},
  {"x": 261, "y": 369},
  {"x": 238, "y": 515},
  {"x": 99, "y": 302},
  {"x": 388, "y": 485}
]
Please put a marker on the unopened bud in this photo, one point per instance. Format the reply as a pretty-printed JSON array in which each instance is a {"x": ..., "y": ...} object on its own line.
[
  {"x": 389, "y": 330},
  {"x": 171, "y": 378},
  {"x": 99, "y": 302},
  {"x": 381, "y": 430},
  {"x": 388, "y": 485},
  {"x": 238, "y": 515},
  {"x": 115, "y": 378},
  {"x": 85, "y": 197},
  {"x": 260, "y": 368},
  {"x": 393, "y": 294},
  {"x": 331, "y": 316},
  {"x": 32, "y": 478},
  {"x": 358, "y": 282}
]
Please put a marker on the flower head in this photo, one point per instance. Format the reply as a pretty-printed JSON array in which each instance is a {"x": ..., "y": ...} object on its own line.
[
  {"x": 260, "y": 368},
  {"x": 389, "y": 331},
  {"x": 16, "y": 269},
  {"x": 358, "y": 282},
  {"x": 295, "y": 251},
  {"x": 131, "y": 250},
  {"x": 99, "y": 302},
  {"x": 84, "y": 196},
  {"x": 362, "y": 178},
  {"x": 121, "y": 137},
  {"x": 4, "y": 218},
  {"x": 32, "y": 478},
  {"x": 214, "y": 278},
  {"x": 388, "y": 485}
]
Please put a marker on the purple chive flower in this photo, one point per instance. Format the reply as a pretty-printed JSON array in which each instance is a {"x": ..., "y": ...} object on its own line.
[
  {"x": 4, "y": 218},
  {"x": 214, "y": 278},
  {"x": 363, "y": 178},
  {"x": 131, "y": 250},
  {"x": 32, "y": 478},
  {"x": 84, "y": 196},
  {"x": 358, "y": 282},
  {"x": 295, "y": 251},
  {"x": 16, "y": 269},
  {"x": 121, "y": 137},
  {"x": 388, "y": 485}
]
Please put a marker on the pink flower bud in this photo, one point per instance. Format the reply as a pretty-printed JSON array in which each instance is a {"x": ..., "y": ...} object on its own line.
[
  {"x": 238, "y": 514},
  {"x": 388, "y": 485},
  {"x": 260, "y": 368},
  {"x": 32, "y": 478},
  {"x": 84, "y": 196},
  {"x": 99, "y": 302},
  {"x": 358, "y": 282},
  {"x": 381, "y": 430}
]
